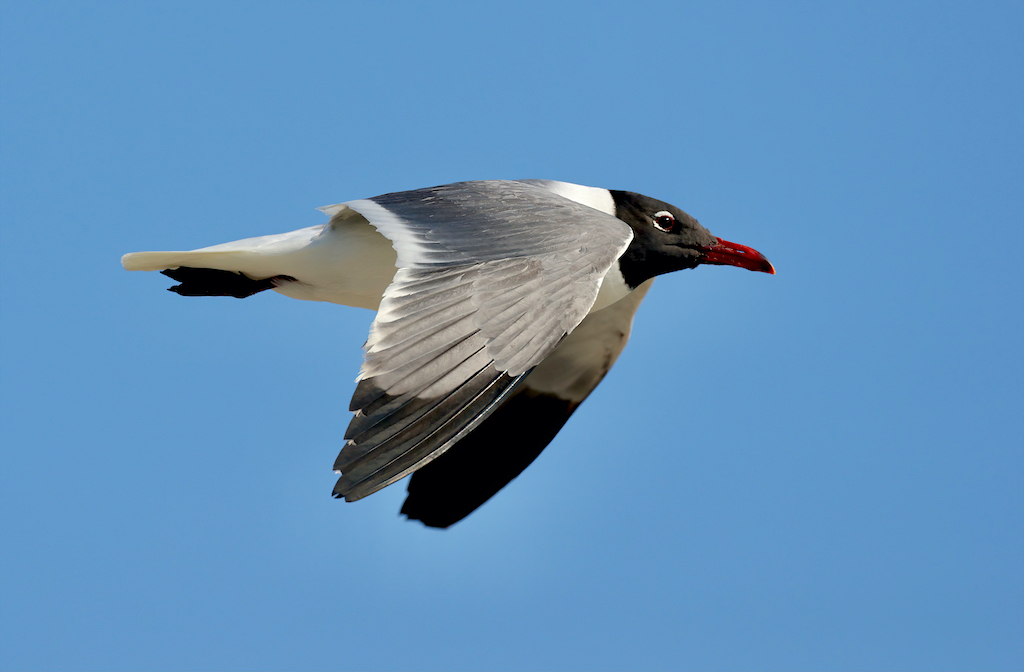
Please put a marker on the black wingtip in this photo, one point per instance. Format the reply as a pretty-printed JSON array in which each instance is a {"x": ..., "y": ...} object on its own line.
[
  {"x": 215, "y": 282},
  {"x": 472, "y": 471},
  {"x": 435, "y": 525}
]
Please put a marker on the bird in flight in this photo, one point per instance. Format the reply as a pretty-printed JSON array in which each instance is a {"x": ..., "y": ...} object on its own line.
[{"x": 500, "y": 307}]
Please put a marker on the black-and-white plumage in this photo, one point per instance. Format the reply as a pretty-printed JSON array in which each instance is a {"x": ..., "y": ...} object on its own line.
[{"x": 500, "y": 306}]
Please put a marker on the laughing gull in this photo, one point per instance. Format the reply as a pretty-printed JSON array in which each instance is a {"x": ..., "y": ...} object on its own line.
[{"x": 500, "y": 307}]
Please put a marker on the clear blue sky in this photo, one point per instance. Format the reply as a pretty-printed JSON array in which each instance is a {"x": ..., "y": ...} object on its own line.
[{"x": 823, "y": 469}]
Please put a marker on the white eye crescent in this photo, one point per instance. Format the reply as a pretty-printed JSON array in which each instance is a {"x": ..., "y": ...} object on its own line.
[{"x": 664, "y": 221}]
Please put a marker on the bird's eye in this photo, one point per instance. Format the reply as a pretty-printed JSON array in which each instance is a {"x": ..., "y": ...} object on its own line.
[{"x": 664, "y": 220}]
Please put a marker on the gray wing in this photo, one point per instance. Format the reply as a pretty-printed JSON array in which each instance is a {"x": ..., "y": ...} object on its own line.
[
  {"x": 473, "y": 470},
  {"x": 492, "y": 276}
]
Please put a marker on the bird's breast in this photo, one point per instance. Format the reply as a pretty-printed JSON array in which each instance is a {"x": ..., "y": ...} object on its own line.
[{"x": 613, "y": 288}]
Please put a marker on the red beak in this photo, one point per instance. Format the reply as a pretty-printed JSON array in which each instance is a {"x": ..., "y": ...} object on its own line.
[{"x": 724, "y": 253}]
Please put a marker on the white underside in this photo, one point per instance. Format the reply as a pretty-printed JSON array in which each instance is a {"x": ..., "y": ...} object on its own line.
[
  {"x": 579, "y": 362},
  {"x": 613, "y": 288}
]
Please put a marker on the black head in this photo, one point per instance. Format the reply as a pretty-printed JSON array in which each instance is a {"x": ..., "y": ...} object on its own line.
[{"x": 666, "y": 239}]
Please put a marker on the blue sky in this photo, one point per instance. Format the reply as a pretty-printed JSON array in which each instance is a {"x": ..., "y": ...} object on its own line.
[{"x": 823, "y": 469}]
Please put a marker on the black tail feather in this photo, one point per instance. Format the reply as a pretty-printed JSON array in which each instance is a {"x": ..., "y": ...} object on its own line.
[{"x": 214, "y": 282}]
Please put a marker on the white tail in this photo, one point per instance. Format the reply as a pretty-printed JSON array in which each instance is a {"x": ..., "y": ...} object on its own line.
[
  {"x": 351, "y": 264},
  {"x": 159, "y": 261}
]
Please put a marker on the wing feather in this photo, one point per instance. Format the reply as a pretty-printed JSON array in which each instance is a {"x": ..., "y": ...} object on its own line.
[
  {"x": 493, "y": 276},
  {"x": 502, "y": 446}
]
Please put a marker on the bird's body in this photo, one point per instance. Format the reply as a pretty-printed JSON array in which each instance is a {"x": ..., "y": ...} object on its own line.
[{"x": 500, "y": 306}]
